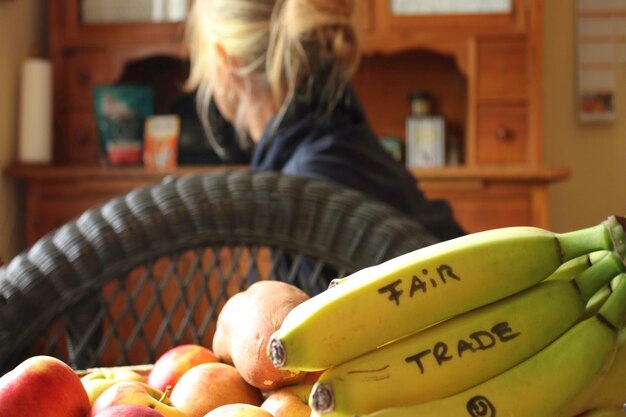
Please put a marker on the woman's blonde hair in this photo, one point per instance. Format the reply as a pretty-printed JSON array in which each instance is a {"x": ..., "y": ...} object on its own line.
[{"x": 278, "y": 44}]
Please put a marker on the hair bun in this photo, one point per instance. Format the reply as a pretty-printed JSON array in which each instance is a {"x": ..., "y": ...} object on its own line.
[
  {"x": 341, "y": 45},
  {"x": 325, "y": 29}
]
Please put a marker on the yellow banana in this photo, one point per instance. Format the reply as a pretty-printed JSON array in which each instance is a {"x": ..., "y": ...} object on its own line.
[
  {"x": 567, "y": 270},
  {"x": 463, "y": 351},
  {"x": 610, "y": 392},
  {"x": 605, "y": 412},
  {"x": 543, "y": 384},
  {"x": 407, "y": 293}
]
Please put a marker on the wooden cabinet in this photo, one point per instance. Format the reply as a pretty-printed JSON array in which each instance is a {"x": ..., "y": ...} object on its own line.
[
  {"x": 484, "y": 72},
  {"x": 85, "y": 55}
]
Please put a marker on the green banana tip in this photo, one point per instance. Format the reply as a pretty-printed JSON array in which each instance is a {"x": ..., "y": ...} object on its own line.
[{"x": 277, "y": 352}]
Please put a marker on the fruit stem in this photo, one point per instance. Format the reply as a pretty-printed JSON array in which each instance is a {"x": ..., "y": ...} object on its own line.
[
  {"x": 583, "y": 241},
  {"x": 614, "y": 308},
  {"x": 616, "y": 226},
  {"x": 166, "y": 394},
  {"x": 599, "y": 274},
  {"x": 322, "y": 398}
]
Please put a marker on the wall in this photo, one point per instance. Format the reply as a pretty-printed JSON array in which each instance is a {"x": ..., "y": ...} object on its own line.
[
  {"x": 22, "y": 26},
  {"x": 596, "y": 153}
]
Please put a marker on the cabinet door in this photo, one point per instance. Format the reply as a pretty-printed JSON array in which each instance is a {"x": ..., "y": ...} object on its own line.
[
  {"x": 84, "y": 70},
  {"x": 87, "y": 22},
  {"x": 503, "y": 69},
  {"x": 365, "y": 15},
  {"x": 80, "y": 142},
  {"x": 456, "y": 16}
]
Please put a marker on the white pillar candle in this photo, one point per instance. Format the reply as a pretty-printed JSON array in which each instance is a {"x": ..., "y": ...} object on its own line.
[{"x": 35, "y": 117}]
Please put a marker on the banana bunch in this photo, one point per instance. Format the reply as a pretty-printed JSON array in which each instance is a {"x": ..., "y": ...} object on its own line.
[{"x": 518, "y": 320}]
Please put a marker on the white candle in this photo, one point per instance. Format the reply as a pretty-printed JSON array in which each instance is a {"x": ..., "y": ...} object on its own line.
[{"x": 35, "y": 118}]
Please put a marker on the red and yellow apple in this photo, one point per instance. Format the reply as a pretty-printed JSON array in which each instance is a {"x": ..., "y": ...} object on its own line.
[
  {"x": 136, "y": 393},
  {"x": 129, "y": 410},
  {"x": 170, "y": 366},
  {"x": 98, "y": 381},
  {"x": 238, "y": 410},
  {"x": 290, "y": 401},
  {"x": 210, "y": 385},
  {"x": 42, "y": 386}
]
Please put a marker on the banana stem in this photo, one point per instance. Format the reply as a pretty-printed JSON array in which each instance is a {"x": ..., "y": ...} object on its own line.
[
  {"x": 614, "y": 309},
  {"x": 616, "y": 226},
  {"x": 580, "y": 242},
  {"x": 591, "y": 280}
]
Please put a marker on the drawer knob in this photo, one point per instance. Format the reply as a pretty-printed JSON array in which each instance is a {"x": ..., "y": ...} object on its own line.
[
  {"x": 84, "y": 77},
  {"x": 504, "y": 133},
  {"x": 83, "y": 137}
]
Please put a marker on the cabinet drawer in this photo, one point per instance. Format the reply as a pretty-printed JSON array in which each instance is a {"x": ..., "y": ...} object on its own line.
[
  {"x": 502, "y": 70},
  {"x": 84, "y": 70},
  {"x": 80, "y": 138},
  {"x": 502, "y": 134}
]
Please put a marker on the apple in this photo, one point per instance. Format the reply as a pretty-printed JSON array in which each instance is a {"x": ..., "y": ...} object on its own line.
[
  {"x": 129, "y": 410},
  {"x": 311, "y": 377},
  {"x": 42, "y": 386},
  {"x": 238, "y": 410},
  {"x": 290, "y": 401},
  {"x": 170, "y": 366},
  {"x": 136, "y": 393},
  {"x": 97, "y": 381},
  {"x": 210, "y": 385}
]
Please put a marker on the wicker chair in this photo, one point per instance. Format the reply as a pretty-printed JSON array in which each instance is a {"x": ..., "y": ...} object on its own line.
[{"x": 151, "y": 269}]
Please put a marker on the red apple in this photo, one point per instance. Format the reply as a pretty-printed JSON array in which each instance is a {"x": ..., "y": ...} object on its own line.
[
  {"x": 129, "y": 410},
  {"x": 210, "y": 385},
  {"x": 98, "y": 381},
  {"x": 136, "y": 393},
  {"x": 238, "y": 410},
  {"x": 170, "y": 366},
  {"x": 42, "y": 386},
  {"x": 290, "y": 401}
]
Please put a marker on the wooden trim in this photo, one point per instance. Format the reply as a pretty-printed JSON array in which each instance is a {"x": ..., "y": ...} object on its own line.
[
  {"x": 535, "y": 79},
  {"x": 51, "y": 173},
  {"x": 539, "y": 202},
  {"x": 472, "y": 103},
  {"x": 499, "y": 23}
]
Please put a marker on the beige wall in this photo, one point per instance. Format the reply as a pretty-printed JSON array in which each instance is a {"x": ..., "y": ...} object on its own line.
[
  {"x": 22, "y": 26},
  {"x": 596, "y": 154}
]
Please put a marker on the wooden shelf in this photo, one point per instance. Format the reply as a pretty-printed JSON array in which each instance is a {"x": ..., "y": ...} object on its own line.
[
  {"x": 53, "y": 173},
  {"x": 42, "y": 172},
  {"x": 483, "y": 197},
  {"x": 497, "y": 173}
]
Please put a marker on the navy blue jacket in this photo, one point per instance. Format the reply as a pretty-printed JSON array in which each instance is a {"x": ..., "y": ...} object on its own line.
[{"x": 342, "y": 148}]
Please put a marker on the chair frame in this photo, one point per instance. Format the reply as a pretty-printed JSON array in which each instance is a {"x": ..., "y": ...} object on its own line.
[{"x": 56, "y": 277}]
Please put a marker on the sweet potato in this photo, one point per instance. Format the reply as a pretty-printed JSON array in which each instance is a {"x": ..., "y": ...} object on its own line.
[{"x": 245, "y": 325}]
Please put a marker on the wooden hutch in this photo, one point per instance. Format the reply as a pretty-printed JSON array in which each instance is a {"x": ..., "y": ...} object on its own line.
[{"x": 484, "y": 72}]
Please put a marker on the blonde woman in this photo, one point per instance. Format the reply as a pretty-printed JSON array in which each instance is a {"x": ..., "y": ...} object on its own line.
[{"x": 279, "y": 71}]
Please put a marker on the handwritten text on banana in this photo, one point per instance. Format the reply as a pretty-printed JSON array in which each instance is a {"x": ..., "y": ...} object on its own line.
[
  {"x": 476, "y": 341},
  {"x": 444, "y": 274}
]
